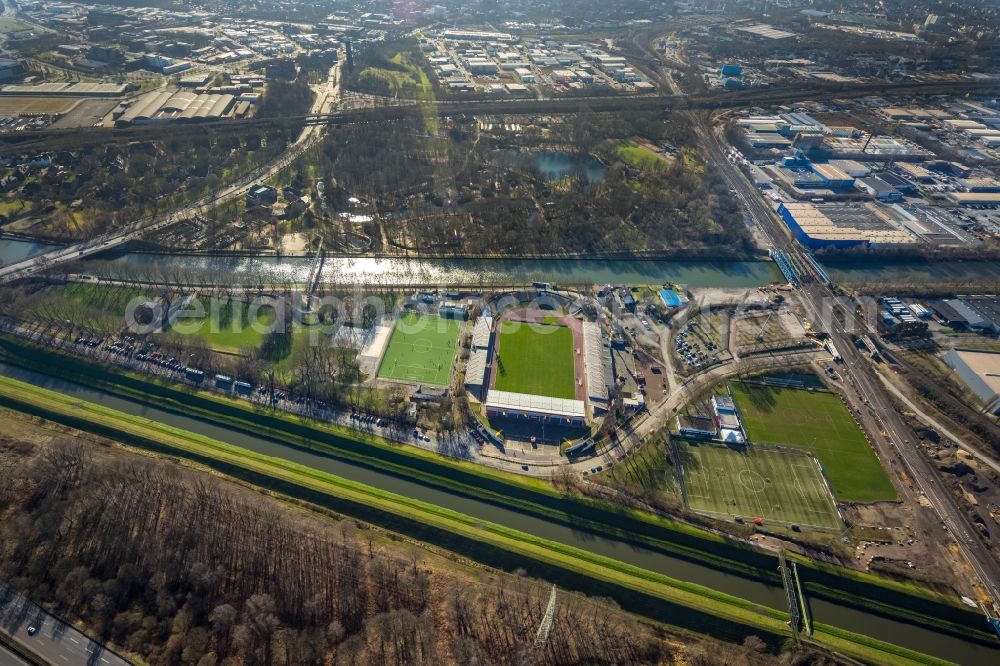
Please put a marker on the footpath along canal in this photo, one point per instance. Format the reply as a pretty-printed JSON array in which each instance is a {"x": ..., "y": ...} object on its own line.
[{"x": 917, "y": 638}]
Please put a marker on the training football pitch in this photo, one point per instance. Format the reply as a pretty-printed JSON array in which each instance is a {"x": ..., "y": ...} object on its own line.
[
  {"x": 421, "y": 349},
  {"x": 536, "y": 359},
  {"x": 816, "y": 421},
  {"x": 778, "y": 486}
]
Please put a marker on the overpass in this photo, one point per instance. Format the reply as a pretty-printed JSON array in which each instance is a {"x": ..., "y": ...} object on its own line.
[{"x": 51, "y": 139}]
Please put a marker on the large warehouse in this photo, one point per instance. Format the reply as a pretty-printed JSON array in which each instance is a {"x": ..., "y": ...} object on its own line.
[
  {"x": 840, "y": 226},
  {"x": 980, "y": 371},
  {"x": 165, "y": 106}
]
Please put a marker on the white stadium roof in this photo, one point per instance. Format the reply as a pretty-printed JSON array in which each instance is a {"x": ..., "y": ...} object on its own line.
[
  {"x": 593, "y": 344},
  {"x": 481, "y": 334},
  {"x": 475, "y": 367},
  {"x": 541, "y": 404}
]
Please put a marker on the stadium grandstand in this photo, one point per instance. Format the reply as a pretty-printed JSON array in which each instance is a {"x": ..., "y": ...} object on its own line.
[
  {"x": 482, "y": 336},
  {"x": 561, "y": 411},
  {"x": 594, "y": 352},
  {"x": 475, "y": 372},
  {"x": 477, "y": 366}
]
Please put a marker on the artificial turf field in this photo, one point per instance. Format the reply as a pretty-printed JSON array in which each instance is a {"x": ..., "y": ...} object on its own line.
[
  {"x": 536, "y": 359},
  {"x": 779, "y": 486},
  {"x": 421, "y": 349},
  {"x": 819, "y": 422}
]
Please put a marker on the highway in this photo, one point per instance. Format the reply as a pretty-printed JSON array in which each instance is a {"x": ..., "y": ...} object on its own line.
[
  {"x": 894, "y": 440},
  {"x": 51, "y": 640}
]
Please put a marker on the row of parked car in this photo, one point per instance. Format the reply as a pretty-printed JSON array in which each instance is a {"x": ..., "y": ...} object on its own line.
[
  {"x": 126, "y": 346},
  {"x": 369, "y": 419},
  {"x": 691, "y": 351}
]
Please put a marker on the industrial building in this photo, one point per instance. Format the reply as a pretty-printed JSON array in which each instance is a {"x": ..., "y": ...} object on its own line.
[
  {"x": 975, "y": 313},
  {"x": 557, "y": 411},
  {"x": 165, "y": 106},
  {"x": 878, "y": 188},
  {"x": 980, "y": 372},
  {"x": 832, "y": 226},
  {"x": 833, "y": 176},
  {"x": 763, "y": 31},
  {"x": 477, "y": 36},
  {"x": 11, "y": 69},
  {"x": 975, "y": 198}
]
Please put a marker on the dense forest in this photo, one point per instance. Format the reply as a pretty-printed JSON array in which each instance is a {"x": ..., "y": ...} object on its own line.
[
  {"x": 183, "y": 568},
  {"x": 461, "y": 190}
]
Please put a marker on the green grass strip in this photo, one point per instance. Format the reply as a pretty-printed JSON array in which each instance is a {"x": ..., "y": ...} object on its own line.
[
  {"x": 158, "y": 436},
  {"x": 898, "y": 599}
]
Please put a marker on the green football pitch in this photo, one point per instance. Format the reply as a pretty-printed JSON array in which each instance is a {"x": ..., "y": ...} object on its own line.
[
  {"x": 780, "y": 486},
  {"x": 536, "y": 359},
  {"x": 820, "y": 423},
  {"x": 421, "y": 349}
]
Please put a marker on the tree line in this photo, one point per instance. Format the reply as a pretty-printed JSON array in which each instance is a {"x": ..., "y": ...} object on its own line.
[{"x": 182, "y": 568}]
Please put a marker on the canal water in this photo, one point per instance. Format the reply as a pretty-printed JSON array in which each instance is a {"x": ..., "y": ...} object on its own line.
[
  {"x": 375, "y": 272},
  {"x": 917, "y": 638},
  {"x": 12, "y": 251},
  {"x": 904, "y": 272},
  {"x": 501, "y": 272}
]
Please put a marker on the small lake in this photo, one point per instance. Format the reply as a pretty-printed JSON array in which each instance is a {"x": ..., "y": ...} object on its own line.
[
  {"x": 554, "y": 165},
  {"x": 557, "y": 165}
]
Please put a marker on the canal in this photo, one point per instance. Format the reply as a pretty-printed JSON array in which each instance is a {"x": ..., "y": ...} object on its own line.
[
  {"x": 917, "y": 638},
  {"x": 226, "y": 268}
]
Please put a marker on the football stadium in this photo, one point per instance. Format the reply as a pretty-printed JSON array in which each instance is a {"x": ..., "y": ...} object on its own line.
[{"x": 540, "y": 371}]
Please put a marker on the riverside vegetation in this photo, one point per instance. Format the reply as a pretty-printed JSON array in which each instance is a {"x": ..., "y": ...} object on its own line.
[{"x": 221, "y": 574}]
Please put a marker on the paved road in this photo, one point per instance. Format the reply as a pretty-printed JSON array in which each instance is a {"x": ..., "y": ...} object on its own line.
[
  {"x": 54, "y": 641},
  {"x": 892, "y": 437},
  {"x": 938, "y": 426},
  {"x": 310, "y": 135}
]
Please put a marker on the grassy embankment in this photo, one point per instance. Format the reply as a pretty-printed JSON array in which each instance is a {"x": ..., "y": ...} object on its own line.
[
  {"x": 899, "y": 599},
  {"x": 236, "y": 325},
  {"x": 641, "y": 157},
  {"x": 639, "y": 590}
]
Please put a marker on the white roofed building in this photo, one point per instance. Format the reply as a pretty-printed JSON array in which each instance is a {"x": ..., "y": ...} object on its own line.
[{"x": 561, "y": 411}]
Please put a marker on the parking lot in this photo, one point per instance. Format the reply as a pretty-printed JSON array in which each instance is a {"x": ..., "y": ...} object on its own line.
[{"x": 701, "y": 342}]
